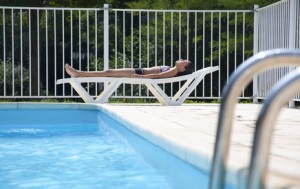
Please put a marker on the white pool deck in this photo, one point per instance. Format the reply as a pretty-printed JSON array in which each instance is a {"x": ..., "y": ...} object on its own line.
[{"x": 189, "y": 131}]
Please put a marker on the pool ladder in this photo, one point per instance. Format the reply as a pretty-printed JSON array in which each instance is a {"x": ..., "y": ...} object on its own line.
[{"x": 281, "y": 93}]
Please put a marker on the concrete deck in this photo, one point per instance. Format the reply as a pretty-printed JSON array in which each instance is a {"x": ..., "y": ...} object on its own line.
[{"x": 188, "y": 131}]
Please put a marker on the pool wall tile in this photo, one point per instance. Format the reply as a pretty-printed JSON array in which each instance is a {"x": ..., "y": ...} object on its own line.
[
  {"x": 88, "y": 106},
  {"x": 42, "y": 106},
  {"x": 5, "y": 105}
]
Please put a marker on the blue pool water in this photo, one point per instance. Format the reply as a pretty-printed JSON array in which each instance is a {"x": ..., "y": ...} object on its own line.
[{"x": 84, "y": 149}]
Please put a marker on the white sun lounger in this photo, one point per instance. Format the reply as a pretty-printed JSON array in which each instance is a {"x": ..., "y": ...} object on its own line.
[{"x": 192, "y": 80}]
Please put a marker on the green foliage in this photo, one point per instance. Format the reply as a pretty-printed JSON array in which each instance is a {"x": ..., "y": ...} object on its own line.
[
  {"x": 246, "y": 101},
  {"x": 49, "y": 100},
  {"x": 145, "y": 4},
  {"x": 5, "y": 100},
  {"x": 132, "y": 100},
  {"x": 13, "y": 81},
  {"x": 216, "y": 101},
  {"x": 243, "y": 5}
]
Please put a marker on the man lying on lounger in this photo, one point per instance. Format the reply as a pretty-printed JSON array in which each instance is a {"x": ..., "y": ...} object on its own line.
[{"x": 182, "y": 67}]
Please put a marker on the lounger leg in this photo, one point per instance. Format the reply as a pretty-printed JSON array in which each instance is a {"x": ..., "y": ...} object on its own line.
[
  {"x": 159, "y": 94},
  {"x": 190, "y": 85},
  {"x": 108, "y": 91},
  {"x": 81, "y": 91},
  {"x": 182, "y": 89}
]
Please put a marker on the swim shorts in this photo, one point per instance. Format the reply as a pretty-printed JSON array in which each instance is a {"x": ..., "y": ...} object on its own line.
[{"x": 139, "y": 71}]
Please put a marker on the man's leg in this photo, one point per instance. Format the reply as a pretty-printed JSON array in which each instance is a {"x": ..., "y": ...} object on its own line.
[{"x": 126, "y": 72}]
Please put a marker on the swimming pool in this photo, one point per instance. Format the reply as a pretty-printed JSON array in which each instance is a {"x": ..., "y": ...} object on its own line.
[{"x": 69, "y": 147}]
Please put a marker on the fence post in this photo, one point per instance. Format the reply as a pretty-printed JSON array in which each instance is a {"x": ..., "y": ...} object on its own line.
[
  {"x": 292, "y": 36},
  {"x": 255, "y": 50},
  {"x": 105, "y": 38}
]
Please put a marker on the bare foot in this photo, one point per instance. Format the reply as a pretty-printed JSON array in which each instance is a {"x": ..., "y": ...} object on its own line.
[{"x": 71, "y": 71}]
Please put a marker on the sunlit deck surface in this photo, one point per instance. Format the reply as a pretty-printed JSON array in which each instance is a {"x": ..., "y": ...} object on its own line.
[{"x": 189, "y": 131}]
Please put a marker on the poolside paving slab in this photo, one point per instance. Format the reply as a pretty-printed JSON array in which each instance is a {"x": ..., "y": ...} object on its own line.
[{"x": 189, "y": 131}]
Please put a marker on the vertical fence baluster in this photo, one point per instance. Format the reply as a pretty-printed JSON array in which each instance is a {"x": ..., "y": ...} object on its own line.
[
  {"x": 124, "y": 48},
  {"x": 96, "y": 48},
  {"x": 21, "y": 52},
  {"x": 227, "y": 56},
  {"x": 4, "y": 54},
  {"x": 13, "y": 52},
  {"x": 55, "y": 51},
  {"x": 71, "y": 41},
  {"x": 79, "y": 40},
  {"x": 172, "y": 50},
  {"x": 148, "y": 44},
  {"x": 219, "y": 63},
  {"x": 140, "y": 46},
  {"x": 131, "y": 46},
  {"x": 116, "y": 43},
  {"x": 39, "y": 57},
  {"x": 164, "y": 43},
  {"x": 47, "y": 55},
  {"x": 29, "y": 52},
  {"x": 195, "y": 48},
  {"x": 211, "y": 48},
  {"x": 203, "y": 50}
]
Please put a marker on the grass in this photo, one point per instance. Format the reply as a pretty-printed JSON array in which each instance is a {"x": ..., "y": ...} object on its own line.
[
  {"x": 111, "y": 100},
  {"x": 132, "y": 100}
]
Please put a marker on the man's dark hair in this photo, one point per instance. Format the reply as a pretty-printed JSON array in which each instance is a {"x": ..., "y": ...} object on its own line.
[{"x": 189, "y": 68}]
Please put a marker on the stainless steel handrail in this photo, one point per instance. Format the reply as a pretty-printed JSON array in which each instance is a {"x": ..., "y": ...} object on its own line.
[
  {"x": 242, "y": 77},
  {"x": 278, "y": 97}
]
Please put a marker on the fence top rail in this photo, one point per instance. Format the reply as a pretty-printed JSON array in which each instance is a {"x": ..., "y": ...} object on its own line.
[
  {"x": 272, "y": 5},
  {"x": 51, "y": 8},
  {"x": 185, "y": 11},
  {"x": 116, "y": 9}
]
